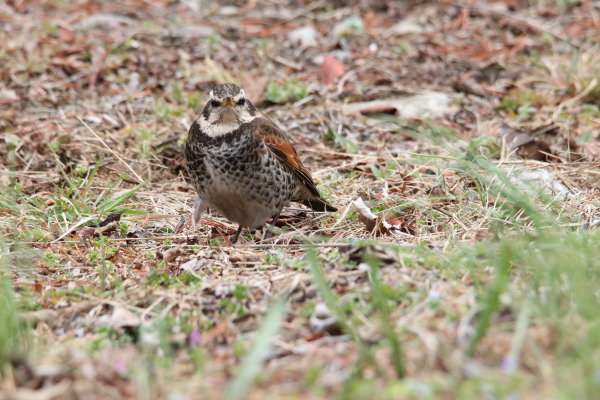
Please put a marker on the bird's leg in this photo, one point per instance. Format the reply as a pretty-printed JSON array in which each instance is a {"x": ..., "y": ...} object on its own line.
[
  {"x": 199, "y": 208},
  {"x": 237, "y": 235},
  {"x": 273, "y": 222}
]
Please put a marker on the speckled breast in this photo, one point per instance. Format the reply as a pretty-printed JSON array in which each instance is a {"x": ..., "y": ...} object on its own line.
[{"x": 238, "y": 176}]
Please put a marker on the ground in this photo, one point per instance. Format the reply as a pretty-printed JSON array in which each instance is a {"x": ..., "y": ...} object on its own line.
[{"x": 460, "y": 142}]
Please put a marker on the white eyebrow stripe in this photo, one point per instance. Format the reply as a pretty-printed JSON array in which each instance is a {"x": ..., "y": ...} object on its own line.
[{"x": 212, "y": 94}]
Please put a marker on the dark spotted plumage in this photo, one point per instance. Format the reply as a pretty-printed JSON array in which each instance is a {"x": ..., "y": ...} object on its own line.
[{"x": 243, "y": 165}]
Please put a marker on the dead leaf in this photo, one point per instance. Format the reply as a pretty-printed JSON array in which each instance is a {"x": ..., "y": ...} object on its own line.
[
  {"x": 108, "y": 228},
  {"x": 513, "y": 137},
  {"x": 104, "y": 22},
  {"x": 190, "y": 32},
  {"x": 331, "y": 69},
  {"x": 246, "y": 258},
  {"x": 304, "y": 37},
  {"x": 536, "y": 150},
  {"x": 437, "y": 191},
  {"x": 218, "y": 332},
  {"x": 591, "y": 150},
  {"x": 45, "y": 393},
  {"x": 254, "y": 85},
  {"x": 383, "y": 254},
  {"x": 87, "y": 232},
  {"x": 374, "y": 224},
  {"x": 406, "y": 224},
  {"x": 122, "y": 317},
  {"x": 191, "y": 265},
  {"x": 427, "y": 169},
  {"x": 322, "y": 320},
  {"x": 110, "y": 218},
  {"x": 172, "y": 254},
  {"x": 534, "y": 181},
  {"x": 527, "y": 145},
  {"x": 56, "y": 317},
  {"x": 470, "y": 85},
  {"x": 422, "y": 105}
]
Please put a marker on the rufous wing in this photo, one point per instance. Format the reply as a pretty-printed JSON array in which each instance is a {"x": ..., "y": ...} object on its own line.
[{"x": 279, "y": 145}]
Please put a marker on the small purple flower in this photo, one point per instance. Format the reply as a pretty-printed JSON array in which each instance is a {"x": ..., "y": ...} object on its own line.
[
  {"x": 195, "y": 338},
  {"x": 121, "y": 366},
  {"x": 510, "y": 365}
]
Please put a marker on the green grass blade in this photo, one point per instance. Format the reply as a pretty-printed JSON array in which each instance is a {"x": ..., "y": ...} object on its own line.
[
  {"x": 491, "y": 302},
  {"x": 381, "y": 303},
  {"x": 111, "y": 204},
  {"x": 12, "y": 335},
  {"x": 91, "y": 177},
  {"x": 252, "y": 362},
  {"x": 319, "y": 277}
]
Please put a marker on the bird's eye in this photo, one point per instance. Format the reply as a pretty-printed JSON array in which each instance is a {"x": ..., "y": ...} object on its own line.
[
  {"x": 241, "y": 102},
  {"x": 214, "y": 103}
]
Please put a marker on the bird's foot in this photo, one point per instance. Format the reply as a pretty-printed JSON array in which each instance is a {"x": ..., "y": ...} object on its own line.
[
  {"x": 268, "y": 228},
  {"x": 237, "y": 235}
]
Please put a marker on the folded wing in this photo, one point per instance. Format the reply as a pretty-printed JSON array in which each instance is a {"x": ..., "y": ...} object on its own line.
[{"x": 278, "y": 143}]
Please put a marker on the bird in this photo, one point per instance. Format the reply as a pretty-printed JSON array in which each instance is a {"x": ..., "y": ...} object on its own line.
[{"x": 243, "y": 165}]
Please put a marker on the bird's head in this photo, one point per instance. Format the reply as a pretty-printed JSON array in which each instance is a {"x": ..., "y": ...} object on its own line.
[{"x": 226, "y": 110}]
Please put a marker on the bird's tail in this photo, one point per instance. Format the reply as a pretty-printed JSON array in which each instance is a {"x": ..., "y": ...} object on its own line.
[{"x": 319, "y": 204}]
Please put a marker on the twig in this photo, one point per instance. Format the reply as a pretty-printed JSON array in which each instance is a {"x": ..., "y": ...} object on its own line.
[
  {"x": 287, "y": 62},
  {"x": 73, "y": 227},
  {"x": 110, "y": 302},
  {"x": 140, "y": 180},
  {"x": 450, "y": 216}
]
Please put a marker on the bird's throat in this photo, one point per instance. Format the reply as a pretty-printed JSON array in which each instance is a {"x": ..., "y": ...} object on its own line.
[
  {"x": 226, "y": 124},
  {"x": 229, "y": 117}
]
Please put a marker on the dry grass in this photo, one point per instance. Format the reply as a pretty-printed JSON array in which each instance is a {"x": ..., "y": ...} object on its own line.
[{"x": 477, "y": 277}]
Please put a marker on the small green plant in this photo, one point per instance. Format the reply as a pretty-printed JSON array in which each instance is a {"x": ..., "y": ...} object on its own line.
[
  {"x": 123, "y": 229},
  {"x": 50, "y": 259},
  {"x": 332, "y": 136},
  {"x": 128, "y": 45},
  {"x": 240, "y": 292},
  {"x": 193, "y": 101},
  {"x": 177, "y": 94},
  {"x": 211, "y": 42},
  {"x": 350, "y": 26},
  {"x": 13, "y": 335},
  {"x": 71, "y": 205},
  {"x": 110, "y": 337},
  {"x": 162, "y": 279},
  {"x": 385, "y": 171},
  {"x": 262, "y": 45},
  {"x": 518, "y": 99},
  {"x": 215, "y": 241},
  {"x": 482, "y": 146},
  {"x": 49, "y": 29},
  {"x": 403, "y": 46},
  {"x": 165, "y": 112},
  {"x": 282, "y": 93}
]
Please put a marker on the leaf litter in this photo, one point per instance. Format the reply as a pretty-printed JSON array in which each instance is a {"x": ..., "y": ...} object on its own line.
[{"x": 113, "y": 88}]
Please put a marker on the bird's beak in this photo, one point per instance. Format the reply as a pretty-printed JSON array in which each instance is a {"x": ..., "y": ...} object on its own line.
[{"x": 227, "y": 102}]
